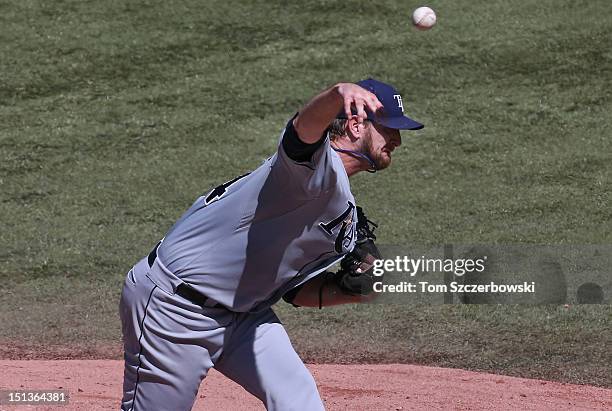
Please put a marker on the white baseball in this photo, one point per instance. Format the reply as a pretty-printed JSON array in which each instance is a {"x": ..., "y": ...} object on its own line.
[{"x": 424, "y": 18}]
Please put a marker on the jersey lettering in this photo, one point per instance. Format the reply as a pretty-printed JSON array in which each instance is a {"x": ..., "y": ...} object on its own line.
[
  {"x": 220, "y": 190},
  {"x": 346, "y": 232}
]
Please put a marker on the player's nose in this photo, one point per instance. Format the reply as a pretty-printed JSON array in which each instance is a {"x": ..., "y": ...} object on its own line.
[{"x": 396, "y": 138}]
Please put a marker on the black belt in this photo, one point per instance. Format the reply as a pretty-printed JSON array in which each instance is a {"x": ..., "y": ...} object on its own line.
[{"x": 184, "y": 289}]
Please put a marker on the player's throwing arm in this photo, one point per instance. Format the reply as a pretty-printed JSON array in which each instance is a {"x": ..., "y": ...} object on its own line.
[{"x": 316, "y": 116}]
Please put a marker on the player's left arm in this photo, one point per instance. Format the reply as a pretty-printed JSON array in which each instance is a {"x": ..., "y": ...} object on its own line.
[{"x": 324, "y": 291}]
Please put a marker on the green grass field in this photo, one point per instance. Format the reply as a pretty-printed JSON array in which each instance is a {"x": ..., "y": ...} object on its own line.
[{"x": 115, "y": 116}]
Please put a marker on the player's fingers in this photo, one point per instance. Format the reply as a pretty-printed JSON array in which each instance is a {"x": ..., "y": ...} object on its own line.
[
  {"x": 374, "y": 104},
  {"x": 347, "y": 107},
  {"x": 361, "y": 114}
]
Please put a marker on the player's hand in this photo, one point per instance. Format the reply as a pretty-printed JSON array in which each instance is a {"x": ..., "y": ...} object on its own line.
[
  {"x": 355, "y": 96},
  {"x": 314, "y": 118}
]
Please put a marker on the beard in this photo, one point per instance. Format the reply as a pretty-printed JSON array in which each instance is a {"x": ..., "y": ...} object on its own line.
[{"x": 381, "y": 159}]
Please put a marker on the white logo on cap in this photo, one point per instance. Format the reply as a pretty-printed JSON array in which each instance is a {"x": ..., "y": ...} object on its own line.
[{"x": 399, "y": 101}]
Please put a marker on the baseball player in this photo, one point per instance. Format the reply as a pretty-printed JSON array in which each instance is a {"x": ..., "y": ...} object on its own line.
[{"x": 202, "y": 298}]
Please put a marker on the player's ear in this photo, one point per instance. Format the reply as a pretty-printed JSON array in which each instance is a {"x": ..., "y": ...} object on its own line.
[{"x": 355, "y": 129}]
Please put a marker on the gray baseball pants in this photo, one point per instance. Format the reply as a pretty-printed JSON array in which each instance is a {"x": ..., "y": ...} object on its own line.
[{"x": 170, "y": 344}]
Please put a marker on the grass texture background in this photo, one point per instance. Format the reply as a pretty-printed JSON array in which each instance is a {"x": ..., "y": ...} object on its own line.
[{"x": 116, "y": 115}]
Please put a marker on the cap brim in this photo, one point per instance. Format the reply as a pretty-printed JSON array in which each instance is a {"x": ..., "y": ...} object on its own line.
[{"x": 399, "y": 123}]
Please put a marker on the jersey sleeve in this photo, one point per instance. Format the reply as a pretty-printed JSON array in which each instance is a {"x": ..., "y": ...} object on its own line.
[
  {"x": 295, "y": 148},
  {"x": 304, "y": 170}
]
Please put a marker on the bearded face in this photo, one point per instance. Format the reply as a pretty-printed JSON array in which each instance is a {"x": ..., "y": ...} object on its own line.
[{"x": 378, "y": 147}]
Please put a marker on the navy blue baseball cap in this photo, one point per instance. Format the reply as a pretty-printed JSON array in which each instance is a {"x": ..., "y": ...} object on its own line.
[{"x": 392, "y": 115}]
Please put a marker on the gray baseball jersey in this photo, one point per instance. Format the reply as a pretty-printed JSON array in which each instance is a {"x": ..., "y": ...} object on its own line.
[
  {"x": 248, "y": 241},
  {"x": 244, "y": 245}
]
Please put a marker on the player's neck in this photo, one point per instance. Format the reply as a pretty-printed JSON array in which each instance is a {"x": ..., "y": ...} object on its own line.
[{"x": 353, "y": 164}]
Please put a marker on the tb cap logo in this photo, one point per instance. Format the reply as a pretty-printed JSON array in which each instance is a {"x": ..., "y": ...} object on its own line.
[{"x": 399, "y": 101}]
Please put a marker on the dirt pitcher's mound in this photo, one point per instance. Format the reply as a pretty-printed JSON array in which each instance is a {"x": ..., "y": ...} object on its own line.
[{"x": 96, "y": 385}]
